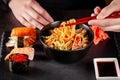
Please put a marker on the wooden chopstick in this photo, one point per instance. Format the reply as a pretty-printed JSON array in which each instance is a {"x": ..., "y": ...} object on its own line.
[{"x": 86, "y": 19}]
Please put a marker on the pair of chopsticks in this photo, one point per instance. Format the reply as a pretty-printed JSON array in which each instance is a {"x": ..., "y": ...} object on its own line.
[{"x": 86, "y": 19}]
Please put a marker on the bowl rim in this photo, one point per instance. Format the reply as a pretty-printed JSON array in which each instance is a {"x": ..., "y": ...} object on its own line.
[{"x": 65, "y": 50}]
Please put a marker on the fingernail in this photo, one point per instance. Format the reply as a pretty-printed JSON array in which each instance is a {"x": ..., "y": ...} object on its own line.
[
  {"x": 92, "y": 14},
  {"x": 51, "y": 20},
  {"x": 89, "y": 22},
  {"x": 41, "y": 27}
]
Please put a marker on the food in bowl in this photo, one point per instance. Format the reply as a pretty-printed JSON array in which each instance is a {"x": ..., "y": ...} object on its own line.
[
  {"x": 67, "y": 37},
  {"x": 66, "y": 56}
]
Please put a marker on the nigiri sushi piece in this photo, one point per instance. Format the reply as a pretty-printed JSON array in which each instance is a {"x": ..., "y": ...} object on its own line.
[
  {"x": 22, "y": 37},
  {"x": 19, "y": 63},
  {"x": 26, "y": 50},
  {"x": 19, "y": 59}
]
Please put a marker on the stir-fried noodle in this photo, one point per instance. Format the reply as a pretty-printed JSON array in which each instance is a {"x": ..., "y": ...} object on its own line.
[{"x": 67, "y": 37}]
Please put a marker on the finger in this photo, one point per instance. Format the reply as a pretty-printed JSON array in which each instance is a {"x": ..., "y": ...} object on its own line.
[
  {"x": 42, "y": 11},
  {"x": 97, "y": 10},
  {"x": 24, "y": 21},
  {"x": 40, "y": 27},
  {"x": 107, "y": 10},
  {"x": 115, "y": 28},
  {"x": 105, "y": 22},
  {"x": 32, "y": 21},
  {"x": 37, "y": 16},
  {"x": 104, "y": 13},
  {"x": 93, "y": 14}
]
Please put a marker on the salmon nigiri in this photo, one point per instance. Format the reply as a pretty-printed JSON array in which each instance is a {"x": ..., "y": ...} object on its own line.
[{"x": 22, "y": 37}]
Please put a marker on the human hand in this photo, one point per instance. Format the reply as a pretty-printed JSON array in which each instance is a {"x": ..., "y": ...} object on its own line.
[
  {"x": 112, "y": 24},
  {"x": 30, "y": 13}
]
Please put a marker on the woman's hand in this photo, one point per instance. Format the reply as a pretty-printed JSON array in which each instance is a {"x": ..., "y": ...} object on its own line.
[
  {"x": 30, "y": 13},
  {"x": 112, "y": 24}
]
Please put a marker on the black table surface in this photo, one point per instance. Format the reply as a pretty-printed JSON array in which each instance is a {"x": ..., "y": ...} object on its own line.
[{"x": 43, "y": 68}]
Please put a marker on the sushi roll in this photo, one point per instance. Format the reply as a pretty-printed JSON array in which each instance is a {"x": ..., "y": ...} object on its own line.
[
  {"x": 22, "y": 37},
  {"x": 19, "y": 59}
]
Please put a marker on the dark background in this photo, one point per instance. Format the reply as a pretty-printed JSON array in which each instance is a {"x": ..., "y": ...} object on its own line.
[{"x": 43, "y": 68}]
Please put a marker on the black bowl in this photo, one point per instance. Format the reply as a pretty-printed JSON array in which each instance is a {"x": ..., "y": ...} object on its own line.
[{"x": 65, "y": 55}]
